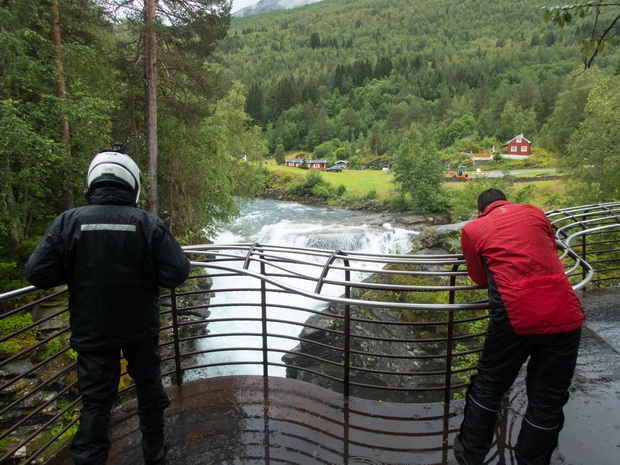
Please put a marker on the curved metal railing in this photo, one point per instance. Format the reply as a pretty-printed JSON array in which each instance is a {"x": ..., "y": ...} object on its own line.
[
  {"x": 591, "y": 231},
  {"x": 402, "y": 328}
]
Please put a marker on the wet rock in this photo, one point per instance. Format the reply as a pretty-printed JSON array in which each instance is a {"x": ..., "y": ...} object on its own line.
[
  {"x": 16, "y": 367},
  {"x": 421, "y": 220},
  {"x": 192, "y": 322},
  {"x": 371, "y": 344},
  {"x": 442, "y": 238}
]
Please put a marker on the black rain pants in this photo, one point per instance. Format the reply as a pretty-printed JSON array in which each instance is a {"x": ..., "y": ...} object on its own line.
[
  {"x": 98, "y": 378},
  {"x": 549, "y": 373}
]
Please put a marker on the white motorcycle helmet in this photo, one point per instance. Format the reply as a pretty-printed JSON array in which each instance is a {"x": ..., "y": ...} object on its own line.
[{"x": 114, "y": 167}]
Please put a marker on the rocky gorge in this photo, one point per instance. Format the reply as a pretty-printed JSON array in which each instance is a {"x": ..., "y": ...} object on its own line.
[{"x": 321, "y": 332}]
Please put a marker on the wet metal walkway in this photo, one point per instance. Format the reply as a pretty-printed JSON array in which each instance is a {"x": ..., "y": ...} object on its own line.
[{"x": 256, "y": 420}]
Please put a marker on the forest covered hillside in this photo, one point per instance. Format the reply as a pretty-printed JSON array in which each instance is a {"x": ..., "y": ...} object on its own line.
[{"x": 355, "y": 75}]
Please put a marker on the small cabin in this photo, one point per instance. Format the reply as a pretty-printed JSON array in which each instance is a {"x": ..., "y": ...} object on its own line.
[{"x": 518, "y": 147}]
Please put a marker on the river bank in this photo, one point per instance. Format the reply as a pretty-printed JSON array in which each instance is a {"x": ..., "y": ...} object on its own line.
[
  {"x": 379, "y": 196},
  {"x": 406, "y": 219}
]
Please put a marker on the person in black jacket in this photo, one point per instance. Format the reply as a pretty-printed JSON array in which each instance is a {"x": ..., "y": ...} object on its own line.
[{"x": 114, "y": 257}]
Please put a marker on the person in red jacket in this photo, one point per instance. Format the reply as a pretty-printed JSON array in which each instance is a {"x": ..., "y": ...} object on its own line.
[{"x": 534, "y": 312}]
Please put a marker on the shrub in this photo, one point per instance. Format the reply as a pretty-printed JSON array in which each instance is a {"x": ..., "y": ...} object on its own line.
[
  {"x": 370, "y": 195},
  {"x": 11, "y": 277},
  {"x": 12, "y": 324},
  {"x": 320, "y": 191},
  {"x": 464, "y": 201},
  {"x": 313, "y": 184}
]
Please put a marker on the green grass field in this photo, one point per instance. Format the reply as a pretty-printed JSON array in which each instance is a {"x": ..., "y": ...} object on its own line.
[
  {"x": 358, "y": 183},
  {"x": 361, "y": 183}
]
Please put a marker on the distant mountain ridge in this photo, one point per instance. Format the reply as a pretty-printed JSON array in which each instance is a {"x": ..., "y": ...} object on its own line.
[{"x": 266, "y": 6}]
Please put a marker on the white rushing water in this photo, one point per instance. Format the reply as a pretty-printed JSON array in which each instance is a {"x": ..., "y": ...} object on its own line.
[{"x": 293, "y": 225}]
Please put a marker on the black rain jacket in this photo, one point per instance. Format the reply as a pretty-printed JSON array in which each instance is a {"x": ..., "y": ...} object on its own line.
[{"x": 114, "y": 258}]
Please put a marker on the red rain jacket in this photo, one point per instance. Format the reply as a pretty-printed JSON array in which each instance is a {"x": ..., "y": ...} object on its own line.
[{"x": 510, "y": 249}]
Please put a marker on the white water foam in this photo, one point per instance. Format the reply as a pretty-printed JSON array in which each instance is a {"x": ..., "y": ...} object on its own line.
[{"x": 294, "y": 225}]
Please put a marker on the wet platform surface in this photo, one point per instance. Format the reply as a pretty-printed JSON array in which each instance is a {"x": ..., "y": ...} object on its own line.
[{"x": 254, "y": 420}]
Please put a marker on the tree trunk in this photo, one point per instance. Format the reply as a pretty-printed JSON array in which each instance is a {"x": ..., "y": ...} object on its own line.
[
  {"x": 7, "y": 201},
  {"x": 61, "y": 93},
  {"x": 150, "y": 70}
]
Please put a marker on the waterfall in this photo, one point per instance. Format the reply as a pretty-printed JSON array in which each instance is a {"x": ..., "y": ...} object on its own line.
[{"x": 295, "y": 225}]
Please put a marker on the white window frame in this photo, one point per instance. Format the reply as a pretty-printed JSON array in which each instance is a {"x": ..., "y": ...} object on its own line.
[{"x": 513, "y": 148}]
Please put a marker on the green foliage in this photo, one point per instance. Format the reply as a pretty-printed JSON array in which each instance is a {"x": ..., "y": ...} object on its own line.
[
  {"x": 593, "y": 153},
  {"x": 104, "y": 103},
  {"x": 458, "y": 129},
  {"x": 376, "y": 68},
  {"x": 463, "y": 202},
  {"x": 326, "y": 150},
  {"x": 37, "y": 177},
  {"x": 14, "y": 323},
  {"x": 321, "y": 190},
  {"x": 602, "y": 34},
  {"x": 50, "y": 348},
  {"x": 11, "y": 277},
  {"x": 280, "y": 155},
  {"x": 370, "y": 195},
  {"x": 348, "y": 83},
  {"x": 467, "y": 362},
  {"x": 313, "y": 184},
  {"x": 208, "y": 163},
  {"x": 418, "y": 172},
  {"x": 68, "y": 416}
]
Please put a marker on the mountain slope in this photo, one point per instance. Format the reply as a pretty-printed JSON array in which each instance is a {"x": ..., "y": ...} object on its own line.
[
  {"x": 364, "y": 71},
  {"x": 267, "y": 6}
]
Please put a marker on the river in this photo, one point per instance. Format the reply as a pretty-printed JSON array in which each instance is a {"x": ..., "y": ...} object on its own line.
[{"x": 296, "y": 225}]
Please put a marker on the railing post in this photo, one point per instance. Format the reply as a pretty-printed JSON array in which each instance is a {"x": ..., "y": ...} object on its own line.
[
  {"x": 263, "y": 300},
  {"x": 450, "y": 339},
  {"x": 584, "y": 242},
  {"x": 448, "y": 378},
  {"x": 175, "y": 337},
  {"x": 347, "y": 331}
]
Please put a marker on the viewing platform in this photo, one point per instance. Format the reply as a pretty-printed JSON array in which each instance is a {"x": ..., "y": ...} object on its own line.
[
  {"x": 304, "y": 356},
  {"x": 256, "y": 420}
]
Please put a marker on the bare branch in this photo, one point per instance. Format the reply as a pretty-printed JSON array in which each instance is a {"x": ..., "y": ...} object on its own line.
[{"x": 603, "y": 37}]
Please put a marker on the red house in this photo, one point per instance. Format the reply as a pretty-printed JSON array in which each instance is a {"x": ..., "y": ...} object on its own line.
[
  {"x": 320, "y": 165},
  {"x": 519, "y": 146}
]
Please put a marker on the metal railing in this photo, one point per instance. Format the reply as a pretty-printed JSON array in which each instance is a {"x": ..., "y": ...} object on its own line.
[
  {"x": 402, "y": 328},
  {"x": 591, "y": 231}
]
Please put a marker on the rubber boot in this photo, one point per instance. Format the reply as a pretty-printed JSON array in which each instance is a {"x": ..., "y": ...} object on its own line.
[
  {"x": 476, "y": 434},
  {"x": 536, "y": 444},
  {"x": 90, "y": 445},
  {"x": 153, "y": 446}
]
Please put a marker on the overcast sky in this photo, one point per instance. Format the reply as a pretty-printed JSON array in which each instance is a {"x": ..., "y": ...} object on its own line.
[{"x": 239, "y": 4}]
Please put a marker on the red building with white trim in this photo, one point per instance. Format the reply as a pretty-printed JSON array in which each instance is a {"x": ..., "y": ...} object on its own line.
[
  {"x": 320, "y": 165},
  {"x": 519, "y": 146}
]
